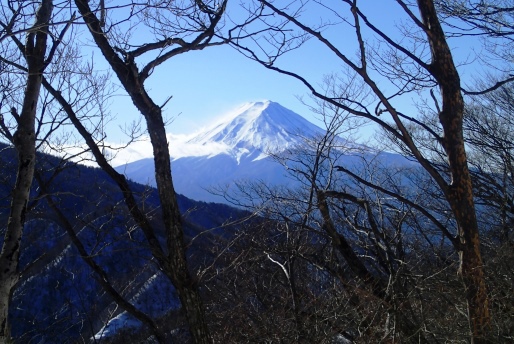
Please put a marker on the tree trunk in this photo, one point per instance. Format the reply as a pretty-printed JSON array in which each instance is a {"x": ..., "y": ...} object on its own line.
[
  {"x": 460, "y": 192},
  {"x": 174, "y": 265},
  {"x": 24, "y": 141}
]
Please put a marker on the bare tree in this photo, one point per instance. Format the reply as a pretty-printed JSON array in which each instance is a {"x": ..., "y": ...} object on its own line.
[
  {"x": 351, "y": 253},
  {"x": 177, "y": 22},
  {"x": 417, "y": 58},
  {"x": 61, "y": 65},
  {"x": 488, "y": 128},
  {"x": 490, "y": 20},
  {"x": 24, "y": 138},
  {"x": 185, "y": 26}
]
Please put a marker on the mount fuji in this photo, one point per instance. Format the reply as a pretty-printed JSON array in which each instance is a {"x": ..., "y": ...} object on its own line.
[
  {"x": 256, "y": 129},
  {"x": 235, "y": 148}
]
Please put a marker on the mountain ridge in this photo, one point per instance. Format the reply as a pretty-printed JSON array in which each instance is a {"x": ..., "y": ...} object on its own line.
[
  {"x": 238, "y": 147},
  {"x": 263, "y": 127},
  {"x": 234, "y": 148},
  {"x": 55, "y": 282}
]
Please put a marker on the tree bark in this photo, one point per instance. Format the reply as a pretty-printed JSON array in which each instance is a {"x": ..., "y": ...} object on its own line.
[
  {"x": 174, "y": 265},
  {"x": 24, "y": 141},
  {"x": 459, "y": 193}
]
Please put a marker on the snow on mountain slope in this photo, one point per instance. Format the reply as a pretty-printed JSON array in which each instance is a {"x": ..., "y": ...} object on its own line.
[
  {"x": 253, "y": 129},
  {"x": 256, "y": 129},
  {"x": 236, "y": 148}
]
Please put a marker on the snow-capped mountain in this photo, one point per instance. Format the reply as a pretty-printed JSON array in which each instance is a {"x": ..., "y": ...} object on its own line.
[
  {"x": 237, "y": 148},
  {"x": 234, "y": 148},
  {"x": 256, "y": 129}
]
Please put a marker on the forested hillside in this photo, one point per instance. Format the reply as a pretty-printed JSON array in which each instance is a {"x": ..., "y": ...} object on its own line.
[
  {"x": 367, "y": 252},
  {"x": 58, "y": 298}
]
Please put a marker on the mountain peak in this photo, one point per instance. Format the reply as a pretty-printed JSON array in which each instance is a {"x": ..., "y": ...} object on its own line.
[
  {"x": 235, "y": 148},
  {"x": 257, "y": 128},
  {"x": 249, "y": 132}
]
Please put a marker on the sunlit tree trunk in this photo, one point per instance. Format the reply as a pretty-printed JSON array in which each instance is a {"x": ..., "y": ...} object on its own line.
[{"x": 460, "y": 191}]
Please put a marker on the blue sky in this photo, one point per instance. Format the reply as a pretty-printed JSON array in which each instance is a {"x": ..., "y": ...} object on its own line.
[{"x": 206, "y": 84}]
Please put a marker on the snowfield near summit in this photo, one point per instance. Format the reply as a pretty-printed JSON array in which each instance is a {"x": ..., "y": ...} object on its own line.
[
  {"x": 237, "y": 148},
  {"x": 256, "y": 129}
]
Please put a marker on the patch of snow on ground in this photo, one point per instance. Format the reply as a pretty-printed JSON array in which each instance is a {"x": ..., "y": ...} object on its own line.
[
  {"x": 121, "y": 321},
  {"x": 155, "y": 298}
]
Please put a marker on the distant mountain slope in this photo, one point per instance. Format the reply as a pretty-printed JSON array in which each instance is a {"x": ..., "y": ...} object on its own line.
[
  {"x": 58, "y": 292},
  {"x": 236, "y": 148}
]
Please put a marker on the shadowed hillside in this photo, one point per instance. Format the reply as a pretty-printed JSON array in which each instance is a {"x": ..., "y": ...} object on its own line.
[{"x": 58, "y": 298}]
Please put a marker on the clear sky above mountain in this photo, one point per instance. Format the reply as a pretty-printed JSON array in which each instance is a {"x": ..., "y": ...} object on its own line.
[
  {"x": 206, "y": 84},
  {"x": 251, "y": 129}
]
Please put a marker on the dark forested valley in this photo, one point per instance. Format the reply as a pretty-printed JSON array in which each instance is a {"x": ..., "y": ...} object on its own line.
[{"x": 393, "y": 224}]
